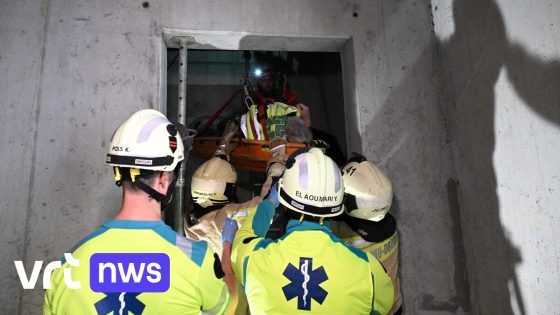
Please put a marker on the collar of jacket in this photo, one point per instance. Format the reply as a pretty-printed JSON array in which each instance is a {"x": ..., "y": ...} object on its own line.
[{"x": 296, "y": 225}]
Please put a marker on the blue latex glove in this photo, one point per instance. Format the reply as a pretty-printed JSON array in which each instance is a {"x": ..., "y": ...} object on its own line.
[
  {"x": 228, "y": 230},
  {"x": 273, "y": 195}
]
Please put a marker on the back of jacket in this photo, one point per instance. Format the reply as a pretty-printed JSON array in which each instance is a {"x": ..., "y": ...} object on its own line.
[
  {"x": 193, "y": 280},
  {"x": 385, "y": 251},
  {"x": 307, "y": 271}
]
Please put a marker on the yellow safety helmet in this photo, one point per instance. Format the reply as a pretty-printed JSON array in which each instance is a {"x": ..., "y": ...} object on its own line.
[{"x": 214, "y": 183}]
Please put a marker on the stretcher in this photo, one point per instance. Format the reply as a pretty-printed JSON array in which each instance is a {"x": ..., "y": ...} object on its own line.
[{"x": 249, "y": 155}]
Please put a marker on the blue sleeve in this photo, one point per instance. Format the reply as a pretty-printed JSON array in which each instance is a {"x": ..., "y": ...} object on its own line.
[{"x": 263, "y": 218}]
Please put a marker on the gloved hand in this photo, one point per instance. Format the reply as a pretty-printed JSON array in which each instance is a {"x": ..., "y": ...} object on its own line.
[
  {"x": 277, "y": 163},
  {"x": 228, "y": 230},
  {"x": 273, "y": 195}
]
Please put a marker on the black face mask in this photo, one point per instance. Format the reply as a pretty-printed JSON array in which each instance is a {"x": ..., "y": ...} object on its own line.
[
  {"x": 231, "y": 192},
  {"x": 198, "y": 212}
]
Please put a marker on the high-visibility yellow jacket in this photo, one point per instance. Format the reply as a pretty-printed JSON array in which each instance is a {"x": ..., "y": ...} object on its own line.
[
  {"x": 387, "y": 251},
  {"x": 306, "y": 271},
  {"x": 275, "y": 121},
  {"x": 194, "y": 285}
]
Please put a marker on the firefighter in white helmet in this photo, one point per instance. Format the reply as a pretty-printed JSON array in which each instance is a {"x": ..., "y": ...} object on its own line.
[
  {"x": 307, "y": 270},
  {"x": 145, "y": 153},
  {"x": 214, "y": 198},
  {"x": 366, "y": 223}
]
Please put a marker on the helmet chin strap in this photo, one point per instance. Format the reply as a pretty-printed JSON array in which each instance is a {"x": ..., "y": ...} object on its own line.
[
  {"x": 164, "y": 200},
  {"x": 169, "y": 195}
]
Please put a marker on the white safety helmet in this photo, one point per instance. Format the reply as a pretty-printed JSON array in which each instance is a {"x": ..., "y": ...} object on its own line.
[
  {"x": 213, "y": 183},
  {"x": 312, "y": 184},
  {"x": 145, "y": 143},
  {"x": 369, "y": 192},
  {"x": 146, "y": 140}
]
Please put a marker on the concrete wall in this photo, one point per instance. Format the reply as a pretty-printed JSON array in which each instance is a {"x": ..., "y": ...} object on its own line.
[
  {"x": 500, "y": 65},
  {"x": 401, "y": 130},
  {"x": 20, "y": 90},
  {"x": 76, "y": 69}
]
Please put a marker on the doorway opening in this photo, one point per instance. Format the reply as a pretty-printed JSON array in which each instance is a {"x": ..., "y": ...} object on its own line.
[{"x": 213, "y": 76}]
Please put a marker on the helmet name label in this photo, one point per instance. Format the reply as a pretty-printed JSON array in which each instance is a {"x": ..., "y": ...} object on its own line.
[
  {"x": 200, "y": 193},
  {"x": 335, "y": 209},
  {"x": 143, "y": 162},
  {"x": 382, "y": 209},
  {"x": 117, "y": 148},
  {"x": 316, "y": 198},
  {"x": 297, "y": 205}
]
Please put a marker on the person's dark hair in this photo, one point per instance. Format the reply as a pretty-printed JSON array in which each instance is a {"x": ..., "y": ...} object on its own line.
[{"x": 356, "y": 157}]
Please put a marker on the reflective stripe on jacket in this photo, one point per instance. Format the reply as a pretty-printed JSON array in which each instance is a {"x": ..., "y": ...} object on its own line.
[{"x": 274, "y": 127}]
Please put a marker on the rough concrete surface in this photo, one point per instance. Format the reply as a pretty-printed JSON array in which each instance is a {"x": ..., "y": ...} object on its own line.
[
  {"x": 402, "y": 130},
  {"x": 500, "y": 67},
  {"x": 21, "y": 63}
]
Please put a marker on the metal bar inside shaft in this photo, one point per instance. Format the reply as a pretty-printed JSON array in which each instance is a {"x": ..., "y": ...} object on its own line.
[{"x": 179, "y": 204}]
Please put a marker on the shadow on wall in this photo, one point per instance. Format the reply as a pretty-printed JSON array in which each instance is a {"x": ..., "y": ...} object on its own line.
[
  {"x": 470, "y": 63},
  {"x": 409, "y": 143}
]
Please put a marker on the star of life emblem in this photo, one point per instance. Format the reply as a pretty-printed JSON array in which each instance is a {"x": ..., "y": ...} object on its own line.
[{"x": 305, "y": 283}]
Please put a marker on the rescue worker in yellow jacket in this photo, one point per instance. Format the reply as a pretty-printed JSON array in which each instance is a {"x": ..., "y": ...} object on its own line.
[
  {"x": 308, "y": 270},
  {"x": 213, "y": 194},
  {"x": 366, "y": 223},
  {"x": 145, "y": 153}
]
